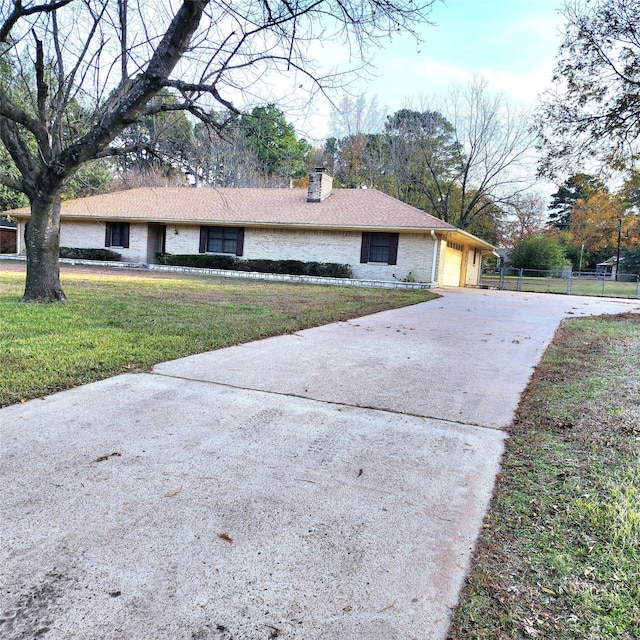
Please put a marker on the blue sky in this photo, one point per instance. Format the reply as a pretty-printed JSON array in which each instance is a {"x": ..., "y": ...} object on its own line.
[{"x": 511, "y": 43}]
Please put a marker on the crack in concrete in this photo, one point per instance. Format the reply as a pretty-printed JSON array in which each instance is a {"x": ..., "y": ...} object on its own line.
[{"x": 334, "y": 402}]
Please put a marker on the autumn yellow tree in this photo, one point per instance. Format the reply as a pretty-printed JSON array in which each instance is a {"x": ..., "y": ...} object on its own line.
[{"x": 595, "y": 222}]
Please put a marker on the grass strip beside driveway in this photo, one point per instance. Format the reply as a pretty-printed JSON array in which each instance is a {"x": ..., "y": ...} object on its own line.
[
  {"x": 116, "y": 322},
  {"x": 559, "y": 555}
]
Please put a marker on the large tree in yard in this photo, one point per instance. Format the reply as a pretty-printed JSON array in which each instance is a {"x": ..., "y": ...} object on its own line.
[
  {"x": 466, "y": 159},
  {"x": 594, "y": 113},
  {"x": 76, "y": 74}
]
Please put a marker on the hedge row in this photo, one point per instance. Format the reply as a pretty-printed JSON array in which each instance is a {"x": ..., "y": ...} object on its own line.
[
  {"x": 90, "y": 254},
  {"x": 291, "y": 267}
]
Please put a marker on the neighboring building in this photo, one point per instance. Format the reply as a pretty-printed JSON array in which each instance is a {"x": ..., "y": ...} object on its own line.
[
  {"x": 608, "y": 268},
  {"x": 8, "y": 236},
  {"x": 379, "y": 236}
]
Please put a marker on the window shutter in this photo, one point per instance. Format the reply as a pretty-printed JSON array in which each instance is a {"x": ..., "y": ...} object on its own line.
[
  {"x": 125, "y": 235},
  {"x": 203, "y": 239},
  {"x": 364, "y": 250},
  {"x": 393, "y": 248},
  {"x": 240, "y": 241},
  {"x": 107, "y": 235}
]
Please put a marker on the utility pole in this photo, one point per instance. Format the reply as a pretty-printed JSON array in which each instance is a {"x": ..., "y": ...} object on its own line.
[
  {"x": 581, "y": 254},
  {"x": 618, "y": 251}
]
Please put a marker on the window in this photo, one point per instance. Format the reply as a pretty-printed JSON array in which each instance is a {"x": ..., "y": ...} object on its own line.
[
  {"x": 379, "y": 247},
  {"x": 222, "y": 240},
  {"x": 117, "y": 235}
]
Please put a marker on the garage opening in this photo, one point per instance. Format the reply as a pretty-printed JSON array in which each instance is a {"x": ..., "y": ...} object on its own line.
[{"x": 452, "y": 265}]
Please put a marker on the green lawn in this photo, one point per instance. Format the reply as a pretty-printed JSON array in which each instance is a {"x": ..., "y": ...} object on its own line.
[
  {"x": 559, "y": 554},
  {"x": 115, "y": 322}
]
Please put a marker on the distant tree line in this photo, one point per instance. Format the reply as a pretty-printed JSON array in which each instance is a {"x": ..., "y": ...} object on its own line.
[
  {"x": 259, "y": 148},
  {"x": 464, "y": 161}
]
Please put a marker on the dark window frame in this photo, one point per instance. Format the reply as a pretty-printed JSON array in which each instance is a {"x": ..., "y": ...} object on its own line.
[
  {"x": 117, "y": 234},
  {"x": 224, "y": 240},
  {"x": 379, "y": 247}
]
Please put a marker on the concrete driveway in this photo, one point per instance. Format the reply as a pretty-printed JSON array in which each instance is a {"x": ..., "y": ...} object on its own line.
[{"x": 323, "y": 485}]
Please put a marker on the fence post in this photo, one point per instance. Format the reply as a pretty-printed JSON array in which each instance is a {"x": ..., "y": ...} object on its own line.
[
  {"x": 501, "y": 280},
  {"x": 520, "y": 279},
  {"x": 569, "y": 280},
  {"x": 638, "y": 288}
]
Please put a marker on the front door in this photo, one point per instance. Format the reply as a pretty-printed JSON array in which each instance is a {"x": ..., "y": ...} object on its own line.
[{"x": 156, "y": 241}]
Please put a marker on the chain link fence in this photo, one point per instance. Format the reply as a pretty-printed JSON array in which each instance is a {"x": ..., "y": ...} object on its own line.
[{"x": 579, "y": 283}]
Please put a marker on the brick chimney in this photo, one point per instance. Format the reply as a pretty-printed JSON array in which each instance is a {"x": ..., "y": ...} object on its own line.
[{"x": 320, "y": 184}]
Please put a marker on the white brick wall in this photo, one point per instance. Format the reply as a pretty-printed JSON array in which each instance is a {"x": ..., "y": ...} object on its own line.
[
  {"x": 343, "y": 247},
  {"x": 414, "y": 250},
  {"x": 91, "y": 235},
  {"x": 186, "y": 241}
]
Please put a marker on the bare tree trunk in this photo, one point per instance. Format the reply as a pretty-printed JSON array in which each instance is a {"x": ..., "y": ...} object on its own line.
[{"x": 43, "y": 249}]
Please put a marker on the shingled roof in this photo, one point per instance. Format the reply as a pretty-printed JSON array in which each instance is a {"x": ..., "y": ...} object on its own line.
[{"x": 343, "y": 209}]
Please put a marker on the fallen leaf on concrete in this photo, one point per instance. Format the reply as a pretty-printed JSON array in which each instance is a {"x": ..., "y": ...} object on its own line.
[
  {"x": 226, "y": 537},
  {"x": 115, "y": 454},
  {"x": 389, "y": 606},
  {"x": 348, "y": 608},
  {"x": 175, "y": 492}
]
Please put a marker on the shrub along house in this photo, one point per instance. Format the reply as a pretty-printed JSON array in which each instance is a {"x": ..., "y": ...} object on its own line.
[{"x": 380, "y": 237}]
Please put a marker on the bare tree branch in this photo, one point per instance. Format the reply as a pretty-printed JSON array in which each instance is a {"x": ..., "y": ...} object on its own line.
[{"x": 20, "y": 11}]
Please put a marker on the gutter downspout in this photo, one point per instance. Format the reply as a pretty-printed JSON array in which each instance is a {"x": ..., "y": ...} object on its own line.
[
  {"x": 435, "y": 255},
  {"x": 19, "y": 236}
]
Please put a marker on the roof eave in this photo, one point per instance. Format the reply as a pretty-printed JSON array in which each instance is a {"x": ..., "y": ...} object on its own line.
[
  {"x": 469, "y": 237},
  {"x": 252, "y": 223}
]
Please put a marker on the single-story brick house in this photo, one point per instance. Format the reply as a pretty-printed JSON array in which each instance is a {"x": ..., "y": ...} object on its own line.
[{"x": 379, "y": 236}]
